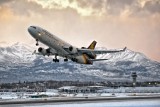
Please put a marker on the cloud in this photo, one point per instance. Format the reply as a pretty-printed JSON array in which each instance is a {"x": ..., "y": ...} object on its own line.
[
  {"x": 88, "y": 7},
  {"x": 105, "y": 7},
  {"x": 6, "y": 14},
  {"x": 116, "y": 7},
  {"x": 152, "y": 6},
  {"x": 4, "y": 1},
  {"x": 82, "y": 7}
]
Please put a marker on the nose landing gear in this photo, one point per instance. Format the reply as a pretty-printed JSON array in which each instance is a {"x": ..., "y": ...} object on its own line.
[{"x": 37, "y": 42}]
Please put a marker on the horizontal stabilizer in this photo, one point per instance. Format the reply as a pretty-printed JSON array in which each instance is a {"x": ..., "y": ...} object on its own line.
[{"x": 97, "y": 59}]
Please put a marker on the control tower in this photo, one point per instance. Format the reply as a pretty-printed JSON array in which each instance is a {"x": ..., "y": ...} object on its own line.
[{"x": 134, "y": 77}]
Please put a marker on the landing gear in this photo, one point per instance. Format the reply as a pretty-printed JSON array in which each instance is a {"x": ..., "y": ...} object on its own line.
[
  {"x": 55, "y": 60},
  {"x": 65, "y": 60},
  {"x": 37, "y": 42},
  {"x": 74, "y": 60}
]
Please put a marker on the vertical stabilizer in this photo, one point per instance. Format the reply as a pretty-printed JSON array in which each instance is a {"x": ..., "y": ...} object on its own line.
[{"x": 92, "y": 45}]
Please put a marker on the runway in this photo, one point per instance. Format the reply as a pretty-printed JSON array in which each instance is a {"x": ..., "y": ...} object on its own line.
[
  {"x": 104, "y": 103},
  {"x": 59, "y": 100}
]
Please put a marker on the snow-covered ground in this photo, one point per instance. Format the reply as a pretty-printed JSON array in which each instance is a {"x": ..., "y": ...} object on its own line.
[
  {"x": 14, "y": 96},
  {"x": 106, "y": 92},
  {"x": 131, "y": 90}
]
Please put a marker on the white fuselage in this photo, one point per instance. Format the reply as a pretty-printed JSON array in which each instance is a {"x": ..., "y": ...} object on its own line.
[{"x": 57, "y": 44}]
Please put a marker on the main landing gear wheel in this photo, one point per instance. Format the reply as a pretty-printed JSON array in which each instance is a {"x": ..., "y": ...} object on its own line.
[
  {"x": 37, "y": 42},
  {"x": 74, "y": 59},
  {"x": 65, "y": 60},
  {"x": 55, "y": 60}
]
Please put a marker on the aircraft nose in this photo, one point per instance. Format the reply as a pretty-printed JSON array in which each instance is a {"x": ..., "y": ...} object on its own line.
[{"x": 31, "y": 30}]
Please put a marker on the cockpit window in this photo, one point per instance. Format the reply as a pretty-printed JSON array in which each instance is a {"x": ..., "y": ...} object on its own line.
[{"x": 33, "y": 27}]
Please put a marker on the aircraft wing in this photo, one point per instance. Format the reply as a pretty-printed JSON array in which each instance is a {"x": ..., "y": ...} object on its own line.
[
  {"x": 52, "y": 51},
  {"x": 82, "y": 51}
]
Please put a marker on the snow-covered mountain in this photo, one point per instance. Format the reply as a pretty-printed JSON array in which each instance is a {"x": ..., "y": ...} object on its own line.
[{"x": 18, "y": 64}]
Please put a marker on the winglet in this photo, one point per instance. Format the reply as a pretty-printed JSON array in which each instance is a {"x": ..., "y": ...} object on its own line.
[{"x": 124, "y": 48}]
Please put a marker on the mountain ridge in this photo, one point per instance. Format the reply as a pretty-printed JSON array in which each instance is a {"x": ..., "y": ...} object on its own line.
[{"x": 18, "y": 64}]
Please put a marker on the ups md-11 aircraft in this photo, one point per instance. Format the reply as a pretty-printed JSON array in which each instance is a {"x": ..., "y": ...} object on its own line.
[{"x": 58, "y": 47}]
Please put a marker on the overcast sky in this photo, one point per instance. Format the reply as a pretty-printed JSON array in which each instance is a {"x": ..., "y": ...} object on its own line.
[{"x": 112, "y": 23}]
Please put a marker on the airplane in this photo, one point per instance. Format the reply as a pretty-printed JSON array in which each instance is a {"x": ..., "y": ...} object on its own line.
[{"x": 58, "y": 47}]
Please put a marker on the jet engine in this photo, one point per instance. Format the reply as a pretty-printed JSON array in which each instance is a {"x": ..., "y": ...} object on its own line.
[
  {"x": 90, "y": 55},
  {"x": 72, "y": 49},
  {"x": 83, "y": 59},
  {"x": 44, "y": 51},
  {"x": 83, "y": 48}
]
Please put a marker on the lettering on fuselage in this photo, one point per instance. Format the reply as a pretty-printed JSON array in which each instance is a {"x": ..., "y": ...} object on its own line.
[
  {"x": 56, "y": 41},
  {"x": 47, "y": 33},
  {"x": 51, "y": 36}
]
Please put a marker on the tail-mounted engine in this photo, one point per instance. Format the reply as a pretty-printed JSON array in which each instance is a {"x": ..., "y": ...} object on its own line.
[
  {"x": 72, "y": 49},
  {"x": 90, "y": 55},
  {"x": 83, "y": 59},
  {"x": 83, "y": 48}
]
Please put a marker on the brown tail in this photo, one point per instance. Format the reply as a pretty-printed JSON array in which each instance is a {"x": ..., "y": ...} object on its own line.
[{"x": 92, "y": 45}]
